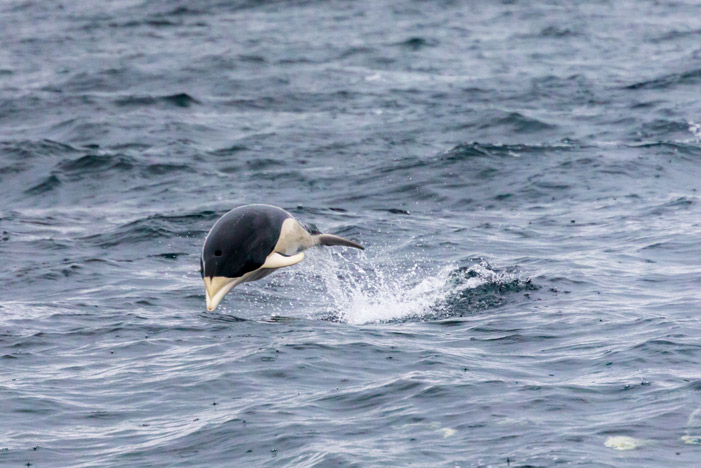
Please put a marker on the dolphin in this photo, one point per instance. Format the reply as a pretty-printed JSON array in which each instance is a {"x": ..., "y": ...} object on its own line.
[{"x": 250, "y": 242}]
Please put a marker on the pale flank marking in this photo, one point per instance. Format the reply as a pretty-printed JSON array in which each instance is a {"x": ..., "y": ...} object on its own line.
[{"x": 275, "y": 260}]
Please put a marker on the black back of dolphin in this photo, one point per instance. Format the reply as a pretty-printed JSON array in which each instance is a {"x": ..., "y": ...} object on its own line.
[{"x": 241, "y": 240}]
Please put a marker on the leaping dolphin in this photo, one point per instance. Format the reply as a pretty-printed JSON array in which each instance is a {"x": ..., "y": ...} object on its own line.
[{"x": 250, "y": 242}]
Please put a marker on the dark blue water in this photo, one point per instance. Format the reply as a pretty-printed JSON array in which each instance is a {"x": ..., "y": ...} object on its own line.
[{"x": 524, "y": 176}]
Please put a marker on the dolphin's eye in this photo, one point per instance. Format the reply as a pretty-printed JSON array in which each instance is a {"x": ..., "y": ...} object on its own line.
[{"x": 217, "y": 253}]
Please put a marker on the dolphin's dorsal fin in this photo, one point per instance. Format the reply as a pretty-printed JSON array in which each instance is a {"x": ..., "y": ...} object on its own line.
[{"x": 276, "y": 260}]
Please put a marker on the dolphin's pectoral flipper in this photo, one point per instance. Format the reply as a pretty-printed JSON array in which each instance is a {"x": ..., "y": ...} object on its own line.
[
  {"x": 276, "y": 260},
  {"x": 330, "y": 239}
]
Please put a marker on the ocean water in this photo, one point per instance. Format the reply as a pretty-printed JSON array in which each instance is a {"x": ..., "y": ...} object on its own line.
[{"x": 524, "y": 175}]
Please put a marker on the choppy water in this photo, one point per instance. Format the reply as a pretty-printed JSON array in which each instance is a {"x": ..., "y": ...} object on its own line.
[{"x": 524, "y": 175}]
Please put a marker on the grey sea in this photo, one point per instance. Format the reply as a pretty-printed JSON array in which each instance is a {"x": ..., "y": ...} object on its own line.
[{"x": 525, "y": 177}]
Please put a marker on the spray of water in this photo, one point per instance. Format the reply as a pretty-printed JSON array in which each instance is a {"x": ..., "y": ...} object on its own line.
[
  {"x": 361, "y": 291},
  {"x": 695, "y": 129}
]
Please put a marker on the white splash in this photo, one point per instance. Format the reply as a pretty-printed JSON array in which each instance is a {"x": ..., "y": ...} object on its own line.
[
  {"x": 693, "y": 424},
  {"x": 363, "y": 291},
  {"x": 434, "y": 426},
  {"x": 624, "y": 443}
]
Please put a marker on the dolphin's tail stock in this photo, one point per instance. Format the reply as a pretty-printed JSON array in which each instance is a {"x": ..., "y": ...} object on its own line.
[{"x": 330, "y": 239}]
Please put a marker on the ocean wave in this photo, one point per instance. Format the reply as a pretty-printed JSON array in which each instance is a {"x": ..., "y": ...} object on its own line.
[
  {"x": 476, "y": 149},
  {"x": 689, "y": 77},
  {"x": 175, "y": 100},
  {"x": 515, "y": 122},
  {"x": 154, "y": 227},
  {"x": 23, "y": 149}
]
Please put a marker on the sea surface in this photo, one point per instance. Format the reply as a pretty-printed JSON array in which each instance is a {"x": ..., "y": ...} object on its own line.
[{"x": 525, "y": 177}]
